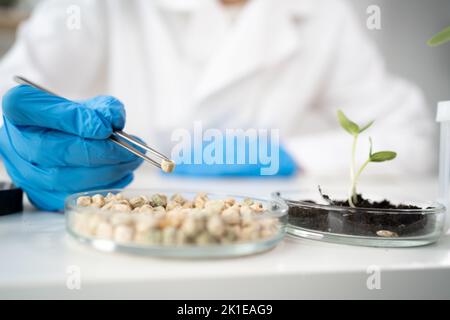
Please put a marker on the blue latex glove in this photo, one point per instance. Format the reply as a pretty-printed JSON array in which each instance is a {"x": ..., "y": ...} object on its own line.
[
  {"x": 287, "y": 166},
  {"x": 53, "y": 147}
]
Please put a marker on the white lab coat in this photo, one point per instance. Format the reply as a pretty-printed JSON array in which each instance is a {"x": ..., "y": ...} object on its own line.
[{"x": 281, "y": 64}]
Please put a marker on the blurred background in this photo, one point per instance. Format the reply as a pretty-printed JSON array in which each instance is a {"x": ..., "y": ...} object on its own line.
[{"x": 406, "y": 26}]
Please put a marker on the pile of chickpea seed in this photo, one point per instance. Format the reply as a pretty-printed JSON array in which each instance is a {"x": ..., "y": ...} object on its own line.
[{"x": 159, "y": 220}]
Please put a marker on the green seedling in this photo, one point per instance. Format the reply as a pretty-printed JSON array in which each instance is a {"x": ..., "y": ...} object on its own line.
[
  {"x": 440, "y": 38},
  {"x": 355, "y": 130}
]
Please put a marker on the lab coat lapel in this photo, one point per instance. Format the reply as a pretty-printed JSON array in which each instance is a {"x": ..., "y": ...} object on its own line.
[{"x": 264, "y": 35}]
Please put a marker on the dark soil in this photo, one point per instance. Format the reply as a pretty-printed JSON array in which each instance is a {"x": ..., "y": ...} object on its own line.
[{"x": 362, "y": 223}]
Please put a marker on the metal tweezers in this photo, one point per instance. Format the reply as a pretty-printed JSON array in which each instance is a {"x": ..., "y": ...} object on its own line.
[{"x": 116, "y": 134}]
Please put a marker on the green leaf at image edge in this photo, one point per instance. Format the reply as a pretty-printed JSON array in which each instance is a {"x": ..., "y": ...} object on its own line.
[
  {"x": 347, "y": 124},
  {"x": 440, "y": 38},
  {"x": 383, "y": 156}
]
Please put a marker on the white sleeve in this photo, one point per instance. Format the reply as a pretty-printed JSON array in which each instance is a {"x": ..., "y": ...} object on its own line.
[
  {"x": 60, "y": 46},
  {"x": 358, "y": 84}
]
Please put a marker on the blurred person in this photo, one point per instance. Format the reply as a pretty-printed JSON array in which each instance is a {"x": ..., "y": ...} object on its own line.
[{"x": 228, "y": 63}]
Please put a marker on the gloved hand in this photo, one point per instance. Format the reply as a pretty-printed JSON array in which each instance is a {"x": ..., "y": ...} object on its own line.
[
  {"x": 281, "y": 165},
  {"x": 53, "y": 147}
]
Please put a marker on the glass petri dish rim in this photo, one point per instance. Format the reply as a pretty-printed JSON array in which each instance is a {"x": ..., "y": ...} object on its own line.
[
  {"x": 296, "y": 232},
  {"x": 184, "y": 251},
  {"x": 278, "y": 210},
  {"x": 434, "y": 206}
]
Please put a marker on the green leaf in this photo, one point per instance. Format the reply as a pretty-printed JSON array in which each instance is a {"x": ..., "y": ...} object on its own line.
[
  {"x": 440, "y": 38},
  {"x": 383, "y": 156},
  {"x": 347, "y": 124},
  {"x": 367, "y": 126}
]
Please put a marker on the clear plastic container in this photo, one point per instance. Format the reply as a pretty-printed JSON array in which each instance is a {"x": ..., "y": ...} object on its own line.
[
  {"x": 443, "y": 117},
  {"x": 312, "y": 218},
  {"x": 274, "y": 211}
]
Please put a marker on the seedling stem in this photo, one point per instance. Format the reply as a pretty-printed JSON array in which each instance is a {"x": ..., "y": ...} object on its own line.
[{"x": 355, "y": 130}]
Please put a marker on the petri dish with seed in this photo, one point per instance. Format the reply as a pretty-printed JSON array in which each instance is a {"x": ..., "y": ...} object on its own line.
[{"x": 175, "y": 223}]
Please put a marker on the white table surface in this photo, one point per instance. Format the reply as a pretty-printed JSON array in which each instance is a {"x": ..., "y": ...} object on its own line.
[{"x": 35, "y": 254}]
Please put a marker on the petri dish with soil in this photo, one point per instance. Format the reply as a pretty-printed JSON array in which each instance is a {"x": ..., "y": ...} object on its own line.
[
  {"x": 175, "y": 223},
  {"x": 378, "y": 222}
]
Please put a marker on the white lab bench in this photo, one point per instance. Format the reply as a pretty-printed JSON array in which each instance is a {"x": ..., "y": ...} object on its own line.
[{"x": 36, "y": 255}]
